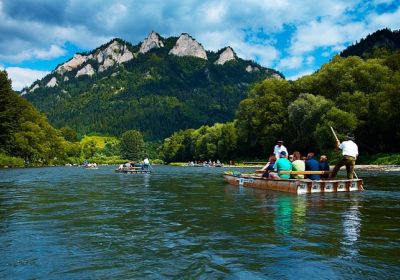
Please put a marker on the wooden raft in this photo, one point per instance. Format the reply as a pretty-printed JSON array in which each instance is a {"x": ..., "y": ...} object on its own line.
[{"x": 298, "y": 186}]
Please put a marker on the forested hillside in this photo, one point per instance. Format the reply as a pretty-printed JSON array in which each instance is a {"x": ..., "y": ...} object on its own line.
[
  {"x": 154, "y": 87},
  {"x": 350, "y": 94},
  {"x": 383, "y": 39}
]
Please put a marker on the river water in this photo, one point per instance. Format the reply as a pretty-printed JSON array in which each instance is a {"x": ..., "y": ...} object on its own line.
[{"x": 187, "y": 222}]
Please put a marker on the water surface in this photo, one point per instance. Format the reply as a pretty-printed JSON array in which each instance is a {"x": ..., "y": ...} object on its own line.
[{"x": 187, "y": 222}]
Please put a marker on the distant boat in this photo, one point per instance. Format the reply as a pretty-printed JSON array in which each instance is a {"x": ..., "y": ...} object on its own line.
[
  {"x": 91, "y": 166},
  {"x": 133, "y": 170},
  {"x": 298, "y": 186}
]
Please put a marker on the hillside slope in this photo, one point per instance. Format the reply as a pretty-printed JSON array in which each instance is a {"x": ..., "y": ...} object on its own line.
[
  {"x": 384, "y": 38},
  {"x": 159, "y": 86}
]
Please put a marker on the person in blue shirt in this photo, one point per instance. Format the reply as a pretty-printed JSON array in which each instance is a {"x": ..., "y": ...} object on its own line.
[
  {"x": 312, "y": 165},
  {"x": 324, "y": 166}
]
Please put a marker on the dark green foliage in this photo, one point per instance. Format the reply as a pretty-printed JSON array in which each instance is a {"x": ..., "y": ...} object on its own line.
[
  {"x": 132, "y": 145},
  {"x": 206, "y": 143}
]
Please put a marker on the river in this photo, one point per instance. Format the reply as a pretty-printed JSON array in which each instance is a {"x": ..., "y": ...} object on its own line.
[{"x": 187, "y": 222}]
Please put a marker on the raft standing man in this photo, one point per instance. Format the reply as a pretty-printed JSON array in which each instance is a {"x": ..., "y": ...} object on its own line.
[
  {"x": 146, "y": 164},
  {"x": 279, "y": 148},
  {"x": 350, "y": 154}
]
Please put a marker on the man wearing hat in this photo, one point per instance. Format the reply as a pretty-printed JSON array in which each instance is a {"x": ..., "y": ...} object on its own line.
[
  {"x": 279, "y": 148},
  {"x": 350, "y": 154}
]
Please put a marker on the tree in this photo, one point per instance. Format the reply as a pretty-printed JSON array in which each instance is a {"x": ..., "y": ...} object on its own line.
[
  {"x": 342, "y": 121},
  {"x": 304, "y": 114},
  {"x": 262, "y": 118},
  {"x": 132, "y": 145},
  {"x": 69, "y": 134},
  {"x": 89, "y": 149}
]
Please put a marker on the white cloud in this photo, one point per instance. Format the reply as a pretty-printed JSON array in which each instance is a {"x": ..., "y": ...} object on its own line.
[
  {"x": 292, "y": 62},
  {"x": 325, "y": 33},
  {"x": 53, "y": 52},
  {"x": 22, "y": 77},
  {"x": 379, "y": 21}
]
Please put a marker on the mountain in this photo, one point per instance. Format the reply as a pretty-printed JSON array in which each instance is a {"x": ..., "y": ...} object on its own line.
[
  {"x": 384, "y": 38},
  {"x": 159, "y": 86}
]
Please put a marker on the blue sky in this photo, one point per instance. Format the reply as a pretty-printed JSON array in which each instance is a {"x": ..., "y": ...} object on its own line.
[{"x": 294, "y": 37}]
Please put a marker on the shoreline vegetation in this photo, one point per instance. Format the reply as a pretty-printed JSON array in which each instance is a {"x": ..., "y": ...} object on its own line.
[{"x": 389, "y": 162}]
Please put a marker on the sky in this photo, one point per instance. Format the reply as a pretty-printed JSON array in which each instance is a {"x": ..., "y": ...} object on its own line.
[{"x": 294, "y": 37}]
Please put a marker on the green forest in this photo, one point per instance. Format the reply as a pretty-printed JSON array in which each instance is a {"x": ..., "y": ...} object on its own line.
[{"x": 351, "y": 94}]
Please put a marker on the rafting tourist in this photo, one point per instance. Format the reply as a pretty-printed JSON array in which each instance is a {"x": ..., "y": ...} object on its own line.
[
  {"x": 269, "y": 167},
  {"x": 312, "y": 165},
  {"x": 350, "y": 154},
  {"x": 324, "y": 166},
  {"x": 282, "y": 164},
  {"x": 298, "y": 165},
  {"x": 279, "y": 148},
  {"x": 146, "y": 164}
]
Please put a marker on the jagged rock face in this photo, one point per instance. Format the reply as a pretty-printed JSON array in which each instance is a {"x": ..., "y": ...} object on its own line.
[
  {"x": 87, "y": 70},
  {"x": 114, "y": 53},
  {"x": 276, "y": 76},
  {"x": 251, "y": 69},
  {"x": 186, "y": 46},
  {"x": 227, "y": 55},
  {"x": 52, "y": 82},
  {"x": 72, "y": 64},
  {"x": 34, "y": 88},
  {"x": 152, "y": 41}
]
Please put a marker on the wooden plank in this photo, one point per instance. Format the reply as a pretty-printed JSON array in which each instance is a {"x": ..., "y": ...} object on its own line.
[{"x": 305, "y": 172}]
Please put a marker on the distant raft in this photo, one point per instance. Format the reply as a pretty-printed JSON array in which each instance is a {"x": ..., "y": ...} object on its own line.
[
  {"x": 298, "y": 186},
  {"x": 133, "y": 170}
]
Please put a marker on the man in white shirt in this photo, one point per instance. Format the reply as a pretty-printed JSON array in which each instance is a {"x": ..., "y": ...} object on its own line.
[
  {"x": 350, "y": 154},
  {"x": 146, "y": 163},
  {"x": 279, "y": 148}
]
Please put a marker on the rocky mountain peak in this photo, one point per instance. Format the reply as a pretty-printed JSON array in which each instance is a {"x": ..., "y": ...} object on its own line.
[
  {"x": 187, "y": 46},
  {"x": 87, "y": 70},
  {"x": 152, "y": 41},
  {"x": 227, "y": 55},
  {"x": 72, "y": 64},
  {"x": 115, "y": 52}
]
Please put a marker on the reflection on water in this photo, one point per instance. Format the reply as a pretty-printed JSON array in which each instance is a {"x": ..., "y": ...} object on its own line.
[
  {"x": 351, "y": 229},
  {"x": 189, "y": 223}
]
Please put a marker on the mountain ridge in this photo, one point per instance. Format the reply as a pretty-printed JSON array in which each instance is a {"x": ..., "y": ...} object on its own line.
[{"x": 158, "y": 86}]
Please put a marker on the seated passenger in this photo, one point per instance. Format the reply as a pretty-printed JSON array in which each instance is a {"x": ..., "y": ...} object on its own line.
[
  {"x": 312, "y": 165},
  {"x": 324, "y": 166},
  {"x": 269, "y": 167},
  {"x": 298, "y": 165},
  {"x": 282, "y": 164}
]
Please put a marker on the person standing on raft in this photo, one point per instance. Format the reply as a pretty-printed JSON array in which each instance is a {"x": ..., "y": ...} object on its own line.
[{"x": 350, "y": 154}]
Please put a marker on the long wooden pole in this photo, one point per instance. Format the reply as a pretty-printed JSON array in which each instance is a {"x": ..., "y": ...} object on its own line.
[
  {"x": 337, "y": 139},
  {"x": 334, "y": 134}
]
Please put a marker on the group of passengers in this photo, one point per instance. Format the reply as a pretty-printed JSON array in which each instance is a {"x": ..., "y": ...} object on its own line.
[
  {"x": 143, "y": 165},
  {"x": 280, "y": 161}
]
